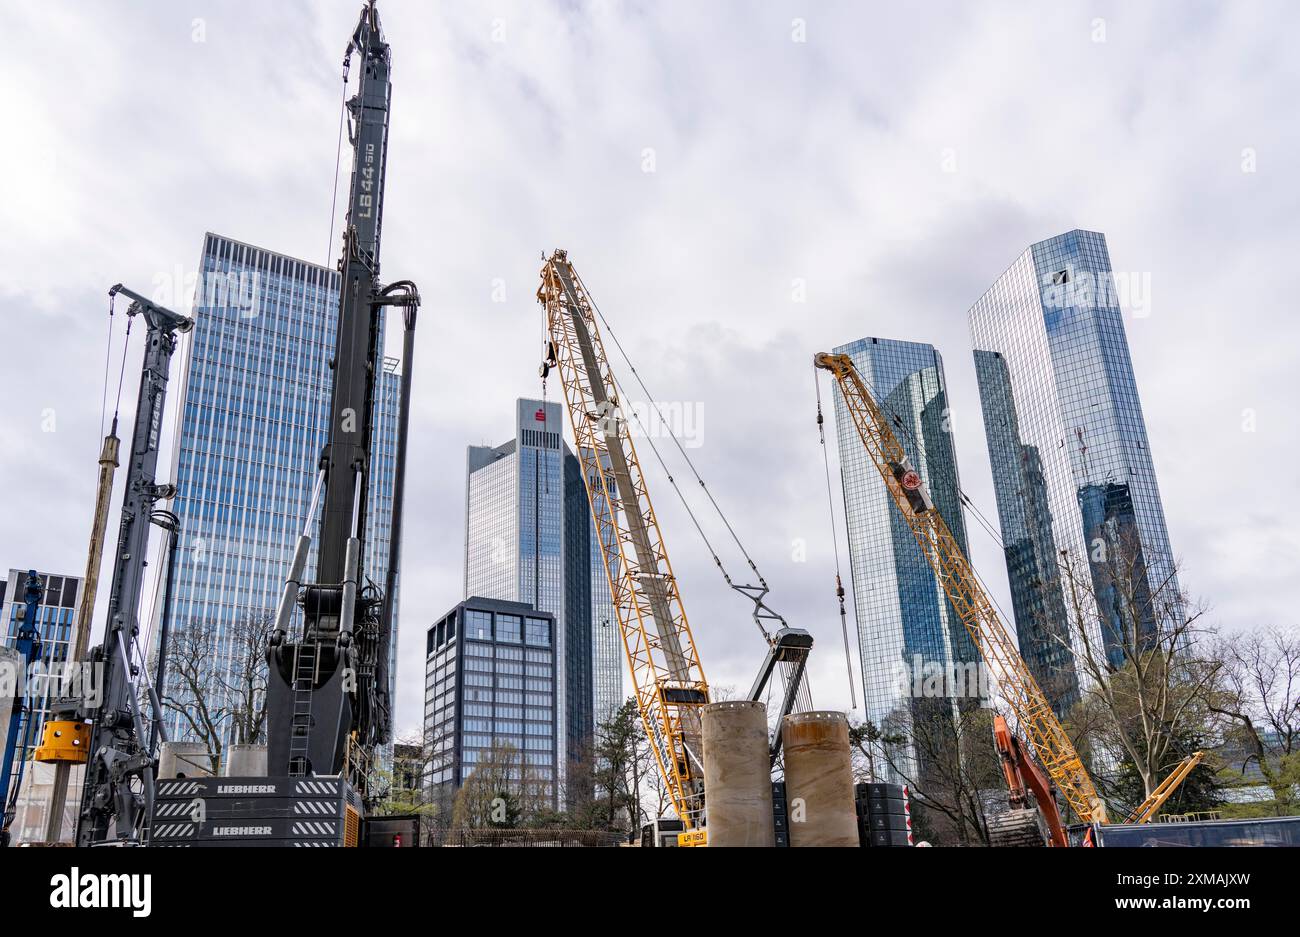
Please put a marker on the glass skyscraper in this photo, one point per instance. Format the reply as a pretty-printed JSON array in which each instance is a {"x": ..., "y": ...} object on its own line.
[
  {"x": 529, "y": 538},
  {"x": 908, "y": 632},
  {"x": 255, "y": 400},
  {"x": 1068, "y": 445},
  {"x": 607, "y": 655}
]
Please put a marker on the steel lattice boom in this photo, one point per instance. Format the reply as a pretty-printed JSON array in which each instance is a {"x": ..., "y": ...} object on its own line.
[
  {"x": 666, "y": 673},
  {"x": 1037, "y": 722}
]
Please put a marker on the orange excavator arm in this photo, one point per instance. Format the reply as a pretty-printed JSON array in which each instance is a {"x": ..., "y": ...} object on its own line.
[{"x": 1024, "y": 778}]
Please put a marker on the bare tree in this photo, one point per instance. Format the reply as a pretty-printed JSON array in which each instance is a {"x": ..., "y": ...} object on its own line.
[
  {"x": 870, "y": 748},
  {"x": 1139, "y": 644},
  {"x": 219, "y": 697},
  {"x": 950, "y": 761},
  {"x": 1260, "y": 695}
]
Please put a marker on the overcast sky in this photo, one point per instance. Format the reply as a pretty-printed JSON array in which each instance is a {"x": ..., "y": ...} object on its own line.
[{"x": 699, "y": 161}]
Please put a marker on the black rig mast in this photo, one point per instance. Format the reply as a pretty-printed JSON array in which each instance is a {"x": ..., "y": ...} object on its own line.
[{"x": 327, "y": 699}]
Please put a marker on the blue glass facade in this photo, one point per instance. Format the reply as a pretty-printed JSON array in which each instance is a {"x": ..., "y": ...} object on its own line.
[
  {"x": 529, "y": 538},
  {"x": 607, "y": 654},
  {"x": 906, "y": 626},
  {"x": 1071, "y": 464},
  {"x": 253, "y": 423}
]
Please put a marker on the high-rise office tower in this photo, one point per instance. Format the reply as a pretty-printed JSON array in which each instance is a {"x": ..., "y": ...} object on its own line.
[
  {"x": 1071, "y": 463},
  {"x": 255, "y": 400},
  {"x": 529, "y": 538},
  {"x": 491, "y": 668},
  {"x": 917, "y": 658}
]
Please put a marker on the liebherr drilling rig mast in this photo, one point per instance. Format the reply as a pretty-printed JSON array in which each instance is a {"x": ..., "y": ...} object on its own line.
[
  {"x": 327, "y": 698},
  {"x": 1037, "y": 722},
  {"x": 119, "y": 773},
  {"x": 667, "y": 677}
]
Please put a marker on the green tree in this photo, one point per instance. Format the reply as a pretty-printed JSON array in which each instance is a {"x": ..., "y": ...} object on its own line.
[{"x": 618, "y": 769}]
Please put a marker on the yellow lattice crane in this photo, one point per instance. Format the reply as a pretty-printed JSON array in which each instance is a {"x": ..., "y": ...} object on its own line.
[
  {"x": 1037, "y": 722},
  {"x": 1151, "y": 806},
  {"x": 667, "y": 677}
]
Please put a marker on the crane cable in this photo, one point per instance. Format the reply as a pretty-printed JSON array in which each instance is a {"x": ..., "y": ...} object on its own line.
[
  {"x": 121, "y": 375},
  {"x": 835, "y": 542},
  {"x": 108, "y": 354},
  {"x": 753, "y": 593},
  {"x": 338, "y": 153}
]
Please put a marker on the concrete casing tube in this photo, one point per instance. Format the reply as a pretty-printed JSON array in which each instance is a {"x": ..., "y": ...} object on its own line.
[
  {"x": 737, "y": 774},
  {"x": 245, "y": 761},
  {"x": 184, "y": 760},
  {"x": 819, "y": 780}
]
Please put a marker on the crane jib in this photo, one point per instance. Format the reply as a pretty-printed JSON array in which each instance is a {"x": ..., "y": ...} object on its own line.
[{"x": 668, "y": 680}]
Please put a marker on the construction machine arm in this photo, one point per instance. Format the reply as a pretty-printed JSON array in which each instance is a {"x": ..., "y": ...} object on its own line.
[
  {"x": 789, "y": 646},
  {"x": 1144, "y": 812},
  {"x": 1024, "y": 779},
  {"x": 28, "y": 646},
  {"x": 1037, "y": 722},
  {"x": 119, "y": 775},
  {"x": 667, "y": 678},
  {"x": 328, "y": 689}
]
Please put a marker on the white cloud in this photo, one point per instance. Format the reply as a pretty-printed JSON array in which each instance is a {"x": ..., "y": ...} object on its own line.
[{"x": 774, "y": 160}]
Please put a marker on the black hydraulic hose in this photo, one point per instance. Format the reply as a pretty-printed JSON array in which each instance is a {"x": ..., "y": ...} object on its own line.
[
  {"x": 399, "y": 484},
  {"x": 172, "y": 522}
]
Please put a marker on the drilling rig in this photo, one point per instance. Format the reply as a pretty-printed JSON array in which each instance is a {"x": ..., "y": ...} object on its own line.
[
  {"x": 105, "y": 729},
  {"x": 328, "y": 706}
]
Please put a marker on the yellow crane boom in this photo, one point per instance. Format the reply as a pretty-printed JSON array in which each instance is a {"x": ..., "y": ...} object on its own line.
[
  {"x": 1151, "y": 806},
  {"x": 1037, "y": 722},
  {"x": 667, "y": 678}
]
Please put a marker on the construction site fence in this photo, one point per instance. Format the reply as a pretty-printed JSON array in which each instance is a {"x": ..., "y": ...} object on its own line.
[{"x": 546, "y": 838}]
